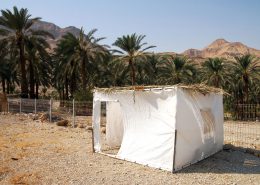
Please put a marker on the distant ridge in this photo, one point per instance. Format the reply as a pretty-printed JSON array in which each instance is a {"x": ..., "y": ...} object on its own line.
[
  {"x": 218, "y": 48},
  {"x": 55, "y": 30},
  {"x": 222, "y": 48}
]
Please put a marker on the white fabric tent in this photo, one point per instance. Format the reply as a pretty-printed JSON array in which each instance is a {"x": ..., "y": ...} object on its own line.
[{"x": 144, "y": 124}]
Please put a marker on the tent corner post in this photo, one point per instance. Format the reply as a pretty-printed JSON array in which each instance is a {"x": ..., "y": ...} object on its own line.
[
  {"x": 92, "y": 138},
  {"x": 174, "y": 152}
]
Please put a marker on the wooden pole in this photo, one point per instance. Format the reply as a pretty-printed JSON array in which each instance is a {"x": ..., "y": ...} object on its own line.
[
  {"x": 92, "y": 136},
  {"x": 174, "y": 152}
]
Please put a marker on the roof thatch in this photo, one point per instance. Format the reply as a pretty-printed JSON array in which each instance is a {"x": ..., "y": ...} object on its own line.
[{"x": 201, "y": 88}]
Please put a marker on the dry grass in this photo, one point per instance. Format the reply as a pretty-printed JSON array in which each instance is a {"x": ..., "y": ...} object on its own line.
[{"x": 200, "y": 88}]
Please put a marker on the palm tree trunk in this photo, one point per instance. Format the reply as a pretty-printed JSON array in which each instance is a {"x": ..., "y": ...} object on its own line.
[
  {"x": 31, "y": 80},
  {"x": 37, "y": 91},
  {"x": 73, "y": 83},
  {"x": 24, "y": 85},
  {"x": 63, "y": 94},
  {"x": 3, "y": 84},
  {"x": 83, "y": 74},
  {"x": 8, "y": 87},
  {"x": 66, "y": 89},
  {"x": 247, "y": 93},
  {"x": 217, "y": 82},
  {"x": 60, "y": 95},
  {"x": 246, "y": 89},
  {"x": 132, "y": 71}
]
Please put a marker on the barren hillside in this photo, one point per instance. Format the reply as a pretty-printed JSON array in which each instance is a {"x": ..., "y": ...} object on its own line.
[{"x": 222, "y": 48}]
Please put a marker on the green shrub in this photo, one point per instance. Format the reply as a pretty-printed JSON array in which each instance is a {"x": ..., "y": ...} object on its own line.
[{"x": 83, "y": 96}]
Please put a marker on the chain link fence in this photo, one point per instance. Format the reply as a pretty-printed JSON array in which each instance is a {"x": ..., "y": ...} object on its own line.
[
  {"x": 18, "y": 105},
  {"x": 245, "y": 134},
  {"x": 54, "y": 110},
  {"x": 242, "y": 127},
  {"x": 247, "y": 112}
]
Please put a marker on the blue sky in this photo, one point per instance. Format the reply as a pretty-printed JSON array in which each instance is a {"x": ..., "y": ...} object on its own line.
[{"x": 171, "y": 25}]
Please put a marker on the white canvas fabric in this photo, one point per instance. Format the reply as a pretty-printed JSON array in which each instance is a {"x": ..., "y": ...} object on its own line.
[
  {"x": 149, "y": 125},
  {"x": 199, "y": 124},
  {"x": 96, "y": 124},
  {"x": 144, "y": 123},
  {"x": 114, "y": 124}
]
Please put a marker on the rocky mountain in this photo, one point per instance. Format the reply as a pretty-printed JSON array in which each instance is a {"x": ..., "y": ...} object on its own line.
[
  {"x": 167, "y": 53},
  {"x": 193, "y": 53},
  {"x": 222, "y": 48},
  {"x": 218, "y": 48},
  {"x": 55, "y": 30}
]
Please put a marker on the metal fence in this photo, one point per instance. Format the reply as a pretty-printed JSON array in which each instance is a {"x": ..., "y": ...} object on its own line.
[
  {"x": 18, "y": 105},
  {"x": 73, "y": 111},
  {"x": 245, "y": 134},
  {"x": 246, "y": 112}
]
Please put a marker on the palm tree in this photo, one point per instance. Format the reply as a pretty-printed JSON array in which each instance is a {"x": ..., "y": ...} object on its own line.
[
  {"x": 88, "y": 51},
  {"x": 214, "y": 72},
  {"x": 39, "y": 68},
  {"x": 17, "y": 26},
  {"x": 3, "y": 63},
  {"x": 151, "y": 70},
  {"x": 76, "y": 57},
  {"x": 112, "y": 72},
  {"x": 65, "y": 67},
  {"x": 8, "y": 73},
  {"x": 131, "y": 48},
  {"x": 177, "y": 69},
  {"x": 246, "y": 73}
]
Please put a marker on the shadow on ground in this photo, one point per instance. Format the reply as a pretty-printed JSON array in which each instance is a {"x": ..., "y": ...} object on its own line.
[{"x": 226, "y": 161}]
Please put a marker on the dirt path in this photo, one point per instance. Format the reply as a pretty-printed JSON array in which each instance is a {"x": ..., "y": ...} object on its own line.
[{"x": 42, "y": 153}]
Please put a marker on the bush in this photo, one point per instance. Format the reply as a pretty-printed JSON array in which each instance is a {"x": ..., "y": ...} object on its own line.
[{"x": 83, "y": 96}]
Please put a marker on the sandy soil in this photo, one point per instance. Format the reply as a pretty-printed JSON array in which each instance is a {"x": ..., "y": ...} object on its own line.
[{"x": 43, "y": 153}]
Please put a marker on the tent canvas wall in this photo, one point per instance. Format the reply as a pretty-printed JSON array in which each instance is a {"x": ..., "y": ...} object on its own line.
[{"x": 167, "y": 128}]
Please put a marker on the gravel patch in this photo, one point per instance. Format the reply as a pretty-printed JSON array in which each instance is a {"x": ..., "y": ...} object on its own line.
[{"x": 32, "y": 152}]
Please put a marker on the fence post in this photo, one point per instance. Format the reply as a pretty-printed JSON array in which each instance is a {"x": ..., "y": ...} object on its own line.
[
  {"x": 50, "y": 109},
  {"x": 35, "y": 104},
  {"x": 73, "y": 112},
  {"x": 20, "y": 105}
]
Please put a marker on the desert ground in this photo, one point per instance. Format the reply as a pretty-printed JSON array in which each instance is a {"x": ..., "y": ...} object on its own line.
[
  {"x": 245, "y": 134},
  {"x": 32, "y": 152}
]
